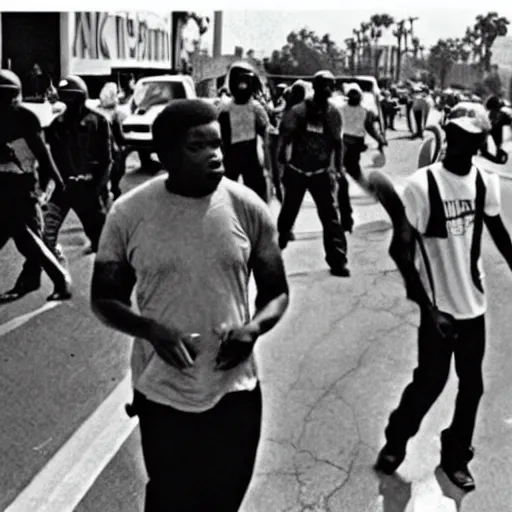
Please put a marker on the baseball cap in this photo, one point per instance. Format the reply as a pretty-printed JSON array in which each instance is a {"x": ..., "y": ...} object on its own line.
[{"x": 471, "y": 117}]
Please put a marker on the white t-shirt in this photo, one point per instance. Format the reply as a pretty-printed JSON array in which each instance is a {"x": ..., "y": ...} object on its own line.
[
  {"x": 449, "y": 257},
  {"x": 353, "y": 120},
  {"x": 191, "y": 259}
]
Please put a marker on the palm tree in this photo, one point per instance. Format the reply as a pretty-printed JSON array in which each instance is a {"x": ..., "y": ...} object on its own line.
[
  {"x": 358, "y": 41},
  {"x": 352, "y": 48},
  {"x": 399, "y": 33},
  {"x": 378, "y": 22},
  {"x": 483, "y": 34}
]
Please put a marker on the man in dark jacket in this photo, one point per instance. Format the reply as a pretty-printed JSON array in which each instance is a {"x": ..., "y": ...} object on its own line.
[
  {"x": 80, "y": 142},
  {"x": 21, "y": 144}
]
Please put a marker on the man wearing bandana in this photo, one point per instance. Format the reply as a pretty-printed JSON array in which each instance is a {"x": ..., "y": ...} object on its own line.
[{"x": 244, "y": 126}]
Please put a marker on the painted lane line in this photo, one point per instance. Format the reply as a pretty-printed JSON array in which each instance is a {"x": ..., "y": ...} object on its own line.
[
  {"x": 18, "y": 321},
  {"x": 71, "y": 472}
]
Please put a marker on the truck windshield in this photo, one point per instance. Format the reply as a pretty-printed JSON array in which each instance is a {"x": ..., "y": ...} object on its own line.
[{"x": 149, "y": 94}]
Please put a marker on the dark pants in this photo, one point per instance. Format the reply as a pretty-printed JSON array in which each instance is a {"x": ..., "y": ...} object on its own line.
[
  {"x": 430, "y": 376},
  {"x": 320, "y": 186},
  {"x": 87, "y": 204},
  {"x": 276, "y": 167},
  {"x": 22, "y": 220},
  {"x": 199, "y": 461},
  {"x": 389, "y": 119},
  {"x": 418, "y": 118},
  {"x": 253, "y": 176},
  {"x": 117, "y": 172},
  {"x": 352, "y": 157}
]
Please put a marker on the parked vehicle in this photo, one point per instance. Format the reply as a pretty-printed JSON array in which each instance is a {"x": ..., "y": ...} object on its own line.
[{"x": 150, "y": 97}]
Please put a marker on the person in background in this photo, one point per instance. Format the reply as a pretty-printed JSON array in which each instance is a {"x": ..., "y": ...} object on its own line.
[
  {"x": 244, "y": 125},
  {"x": 109, "y": 105},
  {"x": 390, "y": 108},
  {"x": 80, "y": 143},
  {"x": 189, "y": 241},
  {"x": 39, "y": 85},
  {"x": 421, "y": 106},
  {"x": 21, "y": 218},
  {"x": 357, "y": 122},
  {"x": 499, "y": 119},
  {"x": 445, "y": 208},
  {"x": 313, "y": 128},
  {"x": 275, "y": 116}
]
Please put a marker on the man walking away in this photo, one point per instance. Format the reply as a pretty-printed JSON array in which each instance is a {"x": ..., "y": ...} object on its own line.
[
  {"x": 243, "y": 120},
  {"x": 357, "y": 121},
  {"x": 446, "y": 206},
  {"x": 21, "y": 139},
  {"x": 189, "y": 242},
  {"x": 80, "y": 142},
  {"x": 313, "y": 128},
  {"x": 421, "y": 108}
]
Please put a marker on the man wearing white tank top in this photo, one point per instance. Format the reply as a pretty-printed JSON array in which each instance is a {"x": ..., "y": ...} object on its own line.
[{"x": 357, "y": 121}]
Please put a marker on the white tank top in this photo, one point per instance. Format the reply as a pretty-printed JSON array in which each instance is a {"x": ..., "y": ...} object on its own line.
[{"x": 353, "y": 119}]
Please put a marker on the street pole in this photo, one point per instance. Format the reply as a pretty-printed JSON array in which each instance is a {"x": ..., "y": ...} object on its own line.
[{"x": 217, "y": 33}]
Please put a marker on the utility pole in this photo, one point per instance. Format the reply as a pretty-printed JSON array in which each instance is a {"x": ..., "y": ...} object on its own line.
[{"x": 217, "y": 33}]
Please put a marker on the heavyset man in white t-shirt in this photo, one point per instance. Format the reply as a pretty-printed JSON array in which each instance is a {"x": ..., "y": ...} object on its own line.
[
  {"x": 189, "y": 242},
  {"x": 446, "y": 206}
]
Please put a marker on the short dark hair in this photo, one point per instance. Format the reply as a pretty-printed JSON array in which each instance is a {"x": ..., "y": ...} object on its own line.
[{"x": 172, "y": 124}]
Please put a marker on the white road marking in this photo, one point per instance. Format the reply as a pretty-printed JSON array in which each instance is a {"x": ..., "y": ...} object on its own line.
[
  {"x": 9, "y": 326},
  {"x": 67, "y": 477}
]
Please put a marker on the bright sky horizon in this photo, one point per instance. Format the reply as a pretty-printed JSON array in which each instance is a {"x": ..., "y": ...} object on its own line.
[{"x": 266, "y": 30}]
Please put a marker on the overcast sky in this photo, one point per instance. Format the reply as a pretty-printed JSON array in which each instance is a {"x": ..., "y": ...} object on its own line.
[{"x": 265, "y": 31}]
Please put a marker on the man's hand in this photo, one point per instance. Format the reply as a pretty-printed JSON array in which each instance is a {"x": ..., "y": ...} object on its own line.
[
  {"x": 236, "y": 344},
  {"x": 444, "y": 324},
  {"x": 173, "y": 346}
]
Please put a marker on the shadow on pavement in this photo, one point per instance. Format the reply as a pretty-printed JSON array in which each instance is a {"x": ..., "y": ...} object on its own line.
[{"x": 395, "y": 492}]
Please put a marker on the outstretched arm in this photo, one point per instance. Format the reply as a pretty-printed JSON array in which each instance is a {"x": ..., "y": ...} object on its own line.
[{"x": 500, "y": 236}]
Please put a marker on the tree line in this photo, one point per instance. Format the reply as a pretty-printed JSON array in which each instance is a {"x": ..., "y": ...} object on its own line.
[{"x": 305, "y": 52}]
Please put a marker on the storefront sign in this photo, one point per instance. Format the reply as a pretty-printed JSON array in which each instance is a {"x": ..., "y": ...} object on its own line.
[{"x": 100, "y": 41}]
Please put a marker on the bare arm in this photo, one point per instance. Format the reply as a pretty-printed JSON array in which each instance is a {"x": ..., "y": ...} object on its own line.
[
  {"x": 111, "y": 288},
  {"x": 112, "y": 284},
  {"x": 273, "y": 292},
  {"x": 370, "y": 128},
  {"x": 500, "y": 236}
]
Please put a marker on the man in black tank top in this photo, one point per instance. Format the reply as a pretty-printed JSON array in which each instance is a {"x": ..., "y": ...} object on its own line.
[{"x": 20, "y": 211}]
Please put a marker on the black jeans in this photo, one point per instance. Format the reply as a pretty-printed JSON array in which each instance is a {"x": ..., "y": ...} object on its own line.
[
  {"x": 199, "y": 461},
  {"x": 85, "y": 200},
  {"x": 276, "y": 167},
  {"x": 253, "y": 176},
  {"x": 418, "y": 118},
  {"x": 430, "y": 376},
  {"x": 321, "y": 188},
  {"x": 22, "y": 220}
]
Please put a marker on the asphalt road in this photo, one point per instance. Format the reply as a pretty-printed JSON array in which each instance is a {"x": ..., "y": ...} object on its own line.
[{"x": 331, "y": 372}]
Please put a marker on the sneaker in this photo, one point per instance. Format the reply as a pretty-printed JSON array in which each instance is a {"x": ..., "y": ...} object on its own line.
[
  {"x": 16, "y": 293},
  {"x": 454, "y": 462},
  {"x": 62, "y": 292},
  {"x": 341, "y": 271},
  {"x": 389, "y": 460},
  {"x": 459, "y": 475}
]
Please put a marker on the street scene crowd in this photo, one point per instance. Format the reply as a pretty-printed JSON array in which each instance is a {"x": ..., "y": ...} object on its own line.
[{"x": 183, "y": 246}]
